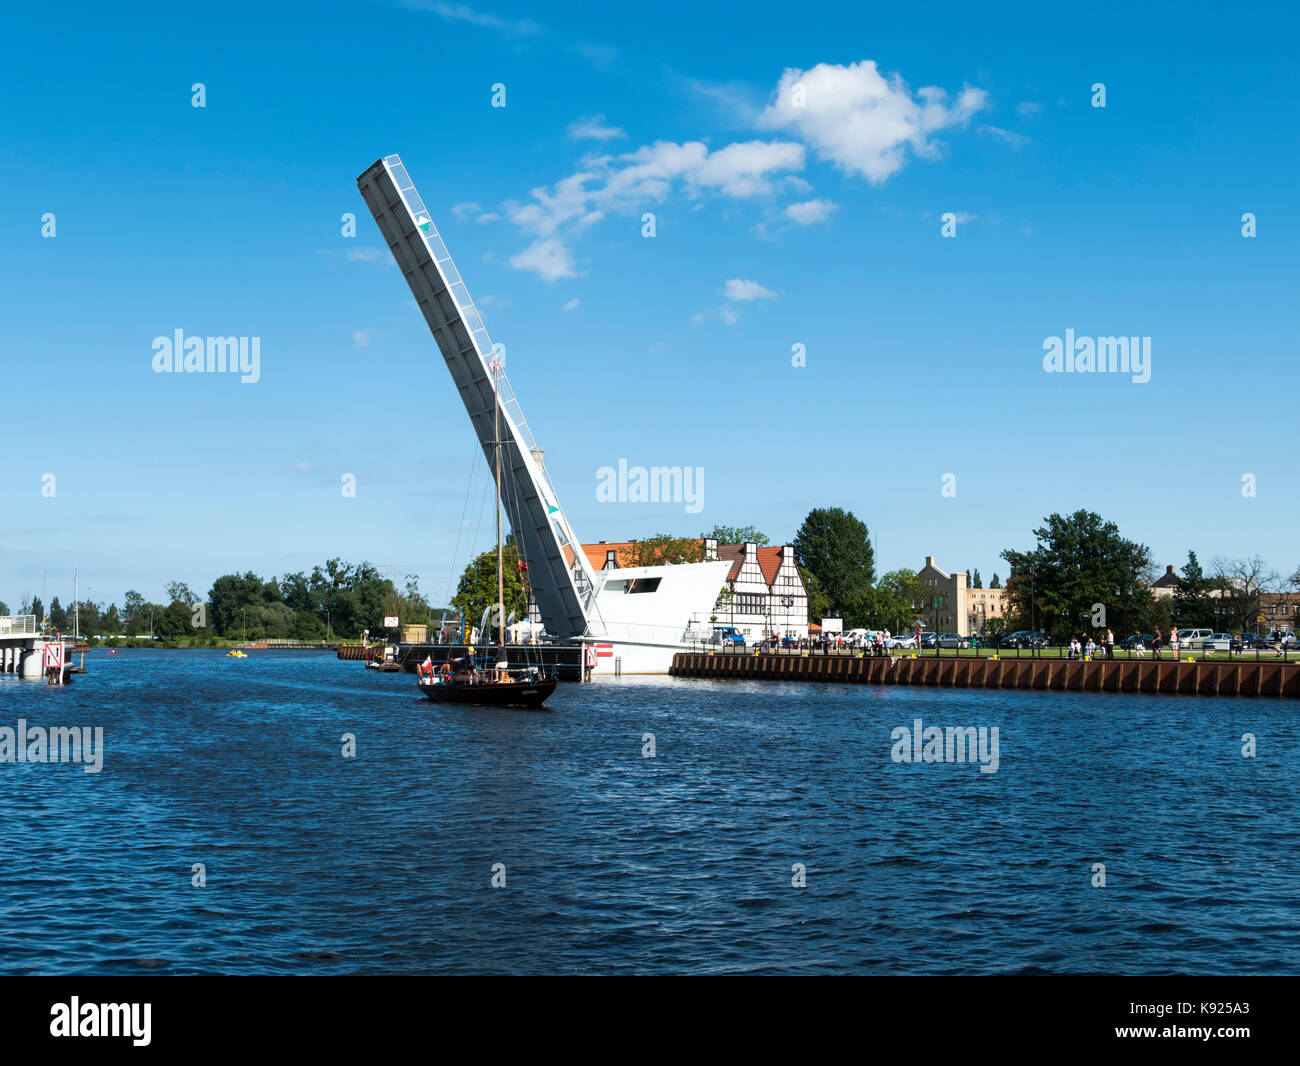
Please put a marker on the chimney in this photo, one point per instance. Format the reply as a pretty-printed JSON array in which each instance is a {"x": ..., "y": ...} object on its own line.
[
  {"x": 1169, "y": 570},
  {"x": 929, "y": 560}
]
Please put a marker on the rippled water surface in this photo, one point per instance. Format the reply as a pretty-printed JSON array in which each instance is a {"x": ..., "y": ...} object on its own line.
[{"x": 620, "y": 863}]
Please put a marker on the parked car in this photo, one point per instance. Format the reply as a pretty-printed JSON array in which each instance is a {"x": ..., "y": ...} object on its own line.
[
  {"x": 908, "y": 641},
  {"x": 1129, "y": 643},
  {"x": 1024, "y": 638},
  {"x": 929, "y": 640},
  {"x": 1217, "y": 642},
  {"x": 1248, "y": 642},
  {"x": 728, "y": 636},
  {"x": 953, "y": 640},
  {"x": 1193, "y": 638},
  {"x": 1288, "y": 640}
]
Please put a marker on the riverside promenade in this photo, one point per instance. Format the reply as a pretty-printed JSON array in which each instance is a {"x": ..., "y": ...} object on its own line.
[{"x": 1242, "y": 677}]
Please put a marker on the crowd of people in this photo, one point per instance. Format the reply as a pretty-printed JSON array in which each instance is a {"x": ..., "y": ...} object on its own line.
[{"x": 874, "y": 642}]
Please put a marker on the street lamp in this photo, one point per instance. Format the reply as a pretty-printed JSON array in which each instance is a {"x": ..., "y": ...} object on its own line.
[{"x": 244, "y": 612}]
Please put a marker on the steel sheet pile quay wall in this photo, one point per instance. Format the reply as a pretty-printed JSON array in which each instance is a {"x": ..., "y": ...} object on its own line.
[{"x": 1164, "y": 677}]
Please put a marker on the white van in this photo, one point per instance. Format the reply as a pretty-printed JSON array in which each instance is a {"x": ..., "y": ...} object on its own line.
[{"x": 1193, "y": 638}]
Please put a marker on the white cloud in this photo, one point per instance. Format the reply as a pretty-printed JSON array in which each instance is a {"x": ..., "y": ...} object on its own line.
[
  {"x": 362, "y": 338},
  {"x": 593, "y": 128},
  {"x": 465, "y": 13},
  {"x": 600, "y": 56},
  {"x": 810, "y": 212},
  {"x": 737, "y": 289},
  {"x": 548, "y": 258},
  {"x": 1013, "y": 139},
  {"x": 572, "y": 305},
  {"x": 1028, "y": 107},
  {"x": 728, "y": 316},
  {"x": 469, "y": 209},
  {"x": 302, "y": 468},
  {"x": 863, "y": 122},
  {"x": 853, "y": 116},
  {"x": 629, "y": 182},
  {"x": 738, "y": 103},
  {"x": 357, "y": 255}
]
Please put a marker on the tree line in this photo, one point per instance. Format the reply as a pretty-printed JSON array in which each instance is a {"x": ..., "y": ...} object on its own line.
[
  {"x": 1081, "y": 575},
  {"x": 337, "y": 599}
]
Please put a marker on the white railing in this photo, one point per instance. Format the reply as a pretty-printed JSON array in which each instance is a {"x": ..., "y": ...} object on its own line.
[
  {"x": 642, "y": 633},
  {"x": 474, "y": 325},
  {"x": 19, "y": 625}
]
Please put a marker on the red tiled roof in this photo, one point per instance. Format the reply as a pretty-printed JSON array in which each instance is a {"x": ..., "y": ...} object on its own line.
[
  {"x": 769, "y": 558},
  {"x": 733, "y": 554},
  {"x": 596, "y": 553}
]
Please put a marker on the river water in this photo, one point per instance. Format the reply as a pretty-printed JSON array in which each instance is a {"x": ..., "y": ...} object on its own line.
[{"x": 617, "y": 862}]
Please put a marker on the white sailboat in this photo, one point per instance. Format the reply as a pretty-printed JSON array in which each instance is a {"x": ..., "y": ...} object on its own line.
[{"x": 636, "y": 618}]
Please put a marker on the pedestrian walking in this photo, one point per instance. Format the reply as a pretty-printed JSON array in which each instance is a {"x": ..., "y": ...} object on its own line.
[
  {"x": 1173, "y": 642},
  {"x": 1110, "y": 644},
  {"x": 1155, "y": 643}
]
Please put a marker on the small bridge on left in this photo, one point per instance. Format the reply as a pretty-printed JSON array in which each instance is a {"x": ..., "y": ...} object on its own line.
[{"x": 22, "y": 646}]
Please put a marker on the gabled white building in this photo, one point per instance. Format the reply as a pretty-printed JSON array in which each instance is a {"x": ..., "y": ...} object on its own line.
[{"x": 765, "y": 595}]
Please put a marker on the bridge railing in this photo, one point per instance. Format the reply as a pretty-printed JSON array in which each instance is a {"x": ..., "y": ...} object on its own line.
[{"x": 18, "y": 625}]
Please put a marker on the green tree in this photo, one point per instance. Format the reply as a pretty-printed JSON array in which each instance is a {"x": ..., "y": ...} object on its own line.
[
  {"x": 660, "y": 550},
  {"x": 1239, "y": 583},
  {"x": 58, "y": 616},
  {"x": 1193, "y": 604},
  {"x": 996, "y": 583},
  {"x": 179, "y": 592},
  {"x": 818, "y": 604},
  {"x": 736, "y": 535},
  {"x": 232, "y": 598},
  {"x": 4, "y": 608},
  {"x": 132, "y": 614},
  {"x": 994, "y": 627},
  {"x": 979, "y": 581},
  {"x": 834, "y": 545},
  {"x": 900, "y": 596},
  {"x": 478, "y": 586},
  {"x": 1079, "y": 564},
  {"x": 174, "y": 621}
]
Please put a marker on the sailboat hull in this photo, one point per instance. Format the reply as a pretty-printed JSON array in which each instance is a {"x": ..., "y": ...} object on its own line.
[{"x": 496, "y": 694}]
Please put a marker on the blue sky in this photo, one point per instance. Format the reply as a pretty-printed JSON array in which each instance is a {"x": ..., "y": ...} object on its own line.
[{"x": 775, "y": 226}]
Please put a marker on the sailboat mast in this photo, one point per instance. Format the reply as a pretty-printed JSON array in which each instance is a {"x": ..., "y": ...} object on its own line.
[{"x": 501, "y": 577}]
